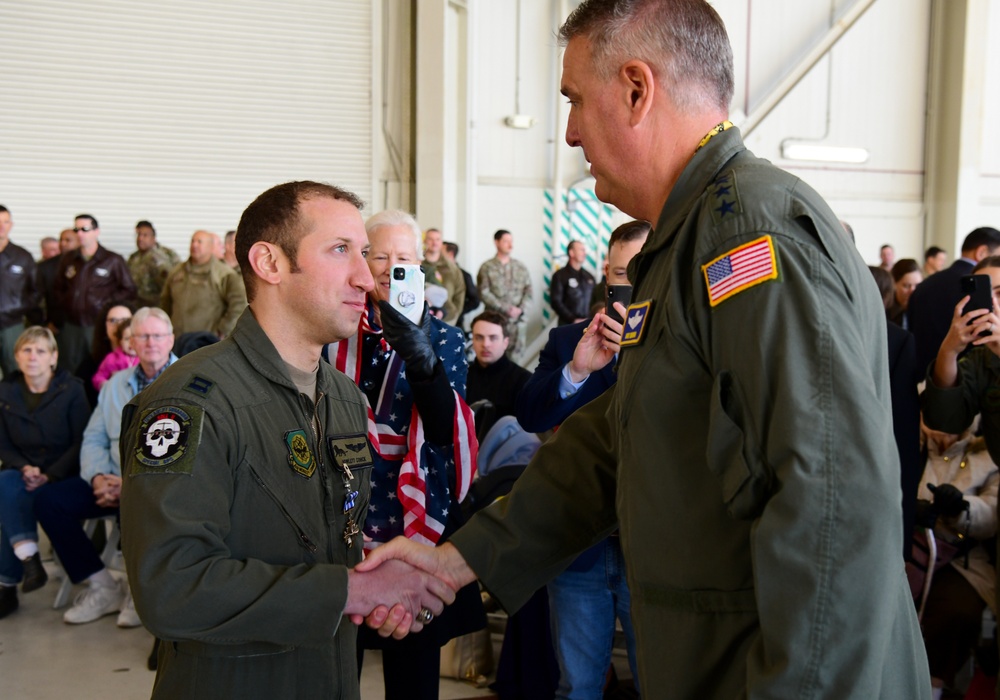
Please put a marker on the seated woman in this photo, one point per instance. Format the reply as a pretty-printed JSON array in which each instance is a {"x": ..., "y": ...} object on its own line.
[
  {"x": 112, "y": 315},
  {"x": 42, "y": 416},
  {"x": 958, "y": 500},
  {"x": 423, "y": 445}
]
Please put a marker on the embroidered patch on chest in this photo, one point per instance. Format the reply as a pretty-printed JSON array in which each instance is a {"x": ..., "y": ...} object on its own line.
[
  {"x": 741, "y": 268},
  {"x": 168, "y": 439},
  {"x": 636, "y": 320},
  {"x": 300, "y": 457},
  {"x": 351, "y": 451}
]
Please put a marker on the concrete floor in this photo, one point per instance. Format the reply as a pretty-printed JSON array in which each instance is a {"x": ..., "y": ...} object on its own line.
[{"x": 42, "y": 658}]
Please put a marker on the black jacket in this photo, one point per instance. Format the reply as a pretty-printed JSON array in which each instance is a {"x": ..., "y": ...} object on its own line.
[
  {"x": 50, "y": 436},
  {"x": 18, "y": 294},
  {"x": 931, "y": 308}
]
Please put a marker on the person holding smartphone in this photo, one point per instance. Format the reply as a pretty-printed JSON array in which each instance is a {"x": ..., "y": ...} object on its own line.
[
  {"x": 961, "y": 386},
  {"x": 576, "y": 366},
  {"x": 422, "y": 437}
]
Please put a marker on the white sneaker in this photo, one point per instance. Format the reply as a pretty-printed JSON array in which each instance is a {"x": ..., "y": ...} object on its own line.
[
  {"x": 94, "y": 603},
  {"x": 128, "y": 617}
]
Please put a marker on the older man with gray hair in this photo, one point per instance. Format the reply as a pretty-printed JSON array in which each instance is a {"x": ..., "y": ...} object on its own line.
[
  {"x": 97, "y": 492},
  {"x": 743, "y": 450}
]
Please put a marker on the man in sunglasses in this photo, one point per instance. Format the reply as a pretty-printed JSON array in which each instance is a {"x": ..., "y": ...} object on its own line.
[{"x": 88, "y": 278}]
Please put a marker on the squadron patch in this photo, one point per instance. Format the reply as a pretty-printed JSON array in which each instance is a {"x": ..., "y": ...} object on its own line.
[
  {"x": 741, "y": 268},
  {"x": 300, "y": 457},
  {"x": 167, "y": 440},
  {"x": 351, "y": 451},
  {"x": 634, "y": 326}
]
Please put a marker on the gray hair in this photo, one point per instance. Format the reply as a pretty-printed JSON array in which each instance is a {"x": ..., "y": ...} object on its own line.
[
  {"x": 394, "y": 217},
  {"x": 684, "y": 41},
  {"x": 147, "y": 312}
]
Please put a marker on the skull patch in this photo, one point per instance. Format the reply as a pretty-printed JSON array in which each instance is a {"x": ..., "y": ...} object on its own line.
[{"x": 164, "y": 435}]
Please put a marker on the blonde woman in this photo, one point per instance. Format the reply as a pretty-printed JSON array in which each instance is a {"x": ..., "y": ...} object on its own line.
[{"x": 42, "y": 416}]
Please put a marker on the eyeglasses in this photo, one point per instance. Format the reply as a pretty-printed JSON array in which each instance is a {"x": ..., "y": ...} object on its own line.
[
  {"x": 110, "y": 320},
  {"x": 143, "y": 337},
  {"x": 84, "y": 229}
]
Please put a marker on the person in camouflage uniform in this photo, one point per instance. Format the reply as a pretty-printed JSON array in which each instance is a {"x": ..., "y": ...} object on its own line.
[
  {"x": 505, "y": 287},
  {"x": 150, "y": 264}
]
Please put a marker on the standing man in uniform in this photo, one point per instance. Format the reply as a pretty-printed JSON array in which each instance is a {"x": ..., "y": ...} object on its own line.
[
  {"x": 150, "y": 264},
  {"x": 761, "y": 544},
  {"x": 247, "y": 477},
  {"x": 443, "y": 272},
  {"x": 569, "y": 291},
  {"x": 204, "y": 293},
  {"x": 18, "y": 294},
  {"x": 505, "y": 286},
  {"x": 88, "y": 278}
]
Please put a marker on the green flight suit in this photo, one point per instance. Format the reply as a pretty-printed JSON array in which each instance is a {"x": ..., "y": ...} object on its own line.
[
  {"x": 233, "y": 521},
  {"x": 745, "y": 451},
  {"x": 446, "y": 274}
]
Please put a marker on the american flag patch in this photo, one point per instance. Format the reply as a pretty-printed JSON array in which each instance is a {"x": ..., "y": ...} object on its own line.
[{"x": 739, "y": 269}]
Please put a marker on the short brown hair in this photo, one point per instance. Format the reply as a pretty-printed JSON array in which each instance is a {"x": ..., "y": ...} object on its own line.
[
  {"x": 494, "y": 317},
  {"x": 36, "y": 334},
  {"x": 274, "y": 217}
]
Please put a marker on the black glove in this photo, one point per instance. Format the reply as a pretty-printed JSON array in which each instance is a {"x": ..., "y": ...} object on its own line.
[
  {"x": 948, "y": 500},
  {"x": 410, "y": 341},
  {"x": 431, "y": 389},
  {"x": 926, "y": 514}
]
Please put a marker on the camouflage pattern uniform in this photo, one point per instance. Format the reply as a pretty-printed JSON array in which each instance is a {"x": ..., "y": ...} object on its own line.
[
  {"x": 149, "y": 270},
  {"x": 503, "y": 286}
]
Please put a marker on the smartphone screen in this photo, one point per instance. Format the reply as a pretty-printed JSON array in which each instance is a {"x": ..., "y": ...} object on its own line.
[
  {"x": 617, "y": 292},
  {"x": 406, "y": 291}
]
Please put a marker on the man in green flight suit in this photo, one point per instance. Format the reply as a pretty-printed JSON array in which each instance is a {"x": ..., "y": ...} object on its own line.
[
  {"x": 743, "y": 450},
  {"x": 247, "y": 478}
]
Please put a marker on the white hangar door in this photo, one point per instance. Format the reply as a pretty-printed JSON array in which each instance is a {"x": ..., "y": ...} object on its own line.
[{"x": 178, "y": 112}]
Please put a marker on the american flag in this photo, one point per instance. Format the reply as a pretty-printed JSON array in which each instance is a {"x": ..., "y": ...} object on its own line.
[
  {"x": 412, "y": 493},
  {"x": 739, "y": 269}
]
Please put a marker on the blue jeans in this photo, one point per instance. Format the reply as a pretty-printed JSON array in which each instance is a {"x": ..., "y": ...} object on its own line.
[
  {"x": 60, "y": 509},
  {"x": 583, "y": 606},
  {"x": 17, "y": 521}
]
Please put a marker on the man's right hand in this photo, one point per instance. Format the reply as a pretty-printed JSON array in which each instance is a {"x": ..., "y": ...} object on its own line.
[
  {"x": 372, "y": 589},
  {"x": 597, "y": 347}
]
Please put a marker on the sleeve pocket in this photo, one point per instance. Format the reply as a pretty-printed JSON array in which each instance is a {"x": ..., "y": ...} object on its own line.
[{"x": 742, "y": 474}]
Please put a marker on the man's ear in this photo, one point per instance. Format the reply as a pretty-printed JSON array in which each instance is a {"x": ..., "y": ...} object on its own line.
[
  {"x": 637, "y": 77},
  {"x": 264, "y": 260}
]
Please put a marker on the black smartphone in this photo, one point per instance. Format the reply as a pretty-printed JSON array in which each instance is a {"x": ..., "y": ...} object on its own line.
[
  {"x": 617, "y": 292},
  {"x": 979, "y": 289}
]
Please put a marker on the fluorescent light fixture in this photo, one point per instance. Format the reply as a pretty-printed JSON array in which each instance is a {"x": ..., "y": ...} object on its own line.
[
  {"x": 519, "y": 121},
  {"x": 825, "y": 154}
]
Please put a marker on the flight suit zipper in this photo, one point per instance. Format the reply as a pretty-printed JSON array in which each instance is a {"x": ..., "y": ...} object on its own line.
[{"x": 303, "y": 537}]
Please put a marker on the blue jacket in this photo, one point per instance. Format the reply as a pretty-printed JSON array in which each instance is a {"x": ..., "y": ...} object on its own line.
[{"x": 539, "y": 406}]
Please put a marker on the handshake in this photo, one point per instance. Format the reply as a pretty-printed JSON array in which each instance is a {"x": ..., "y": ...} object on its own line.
[{"x": 402, "y": 585}]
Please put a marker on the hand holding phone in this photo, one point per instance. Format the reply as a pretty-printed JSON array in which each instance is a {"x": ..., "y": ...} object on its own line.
[
  {"x": 406, "y": 291},
  {"x": 617, "y": 292}
]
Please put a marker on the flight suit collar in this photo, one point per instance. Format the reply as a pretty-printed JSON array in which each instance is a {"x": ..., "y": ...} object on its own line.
[{"x": 263, "y": 356}]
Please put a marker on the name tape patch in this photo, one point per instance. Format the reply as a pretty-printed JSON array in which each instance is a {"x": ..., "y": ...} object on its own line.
[{"x": 350, "y": 451}]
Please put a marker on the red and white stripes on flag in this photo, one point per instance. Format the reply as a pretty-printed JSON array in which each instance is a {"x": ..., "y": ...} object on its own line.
[{"x": 739, "y": 269}]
